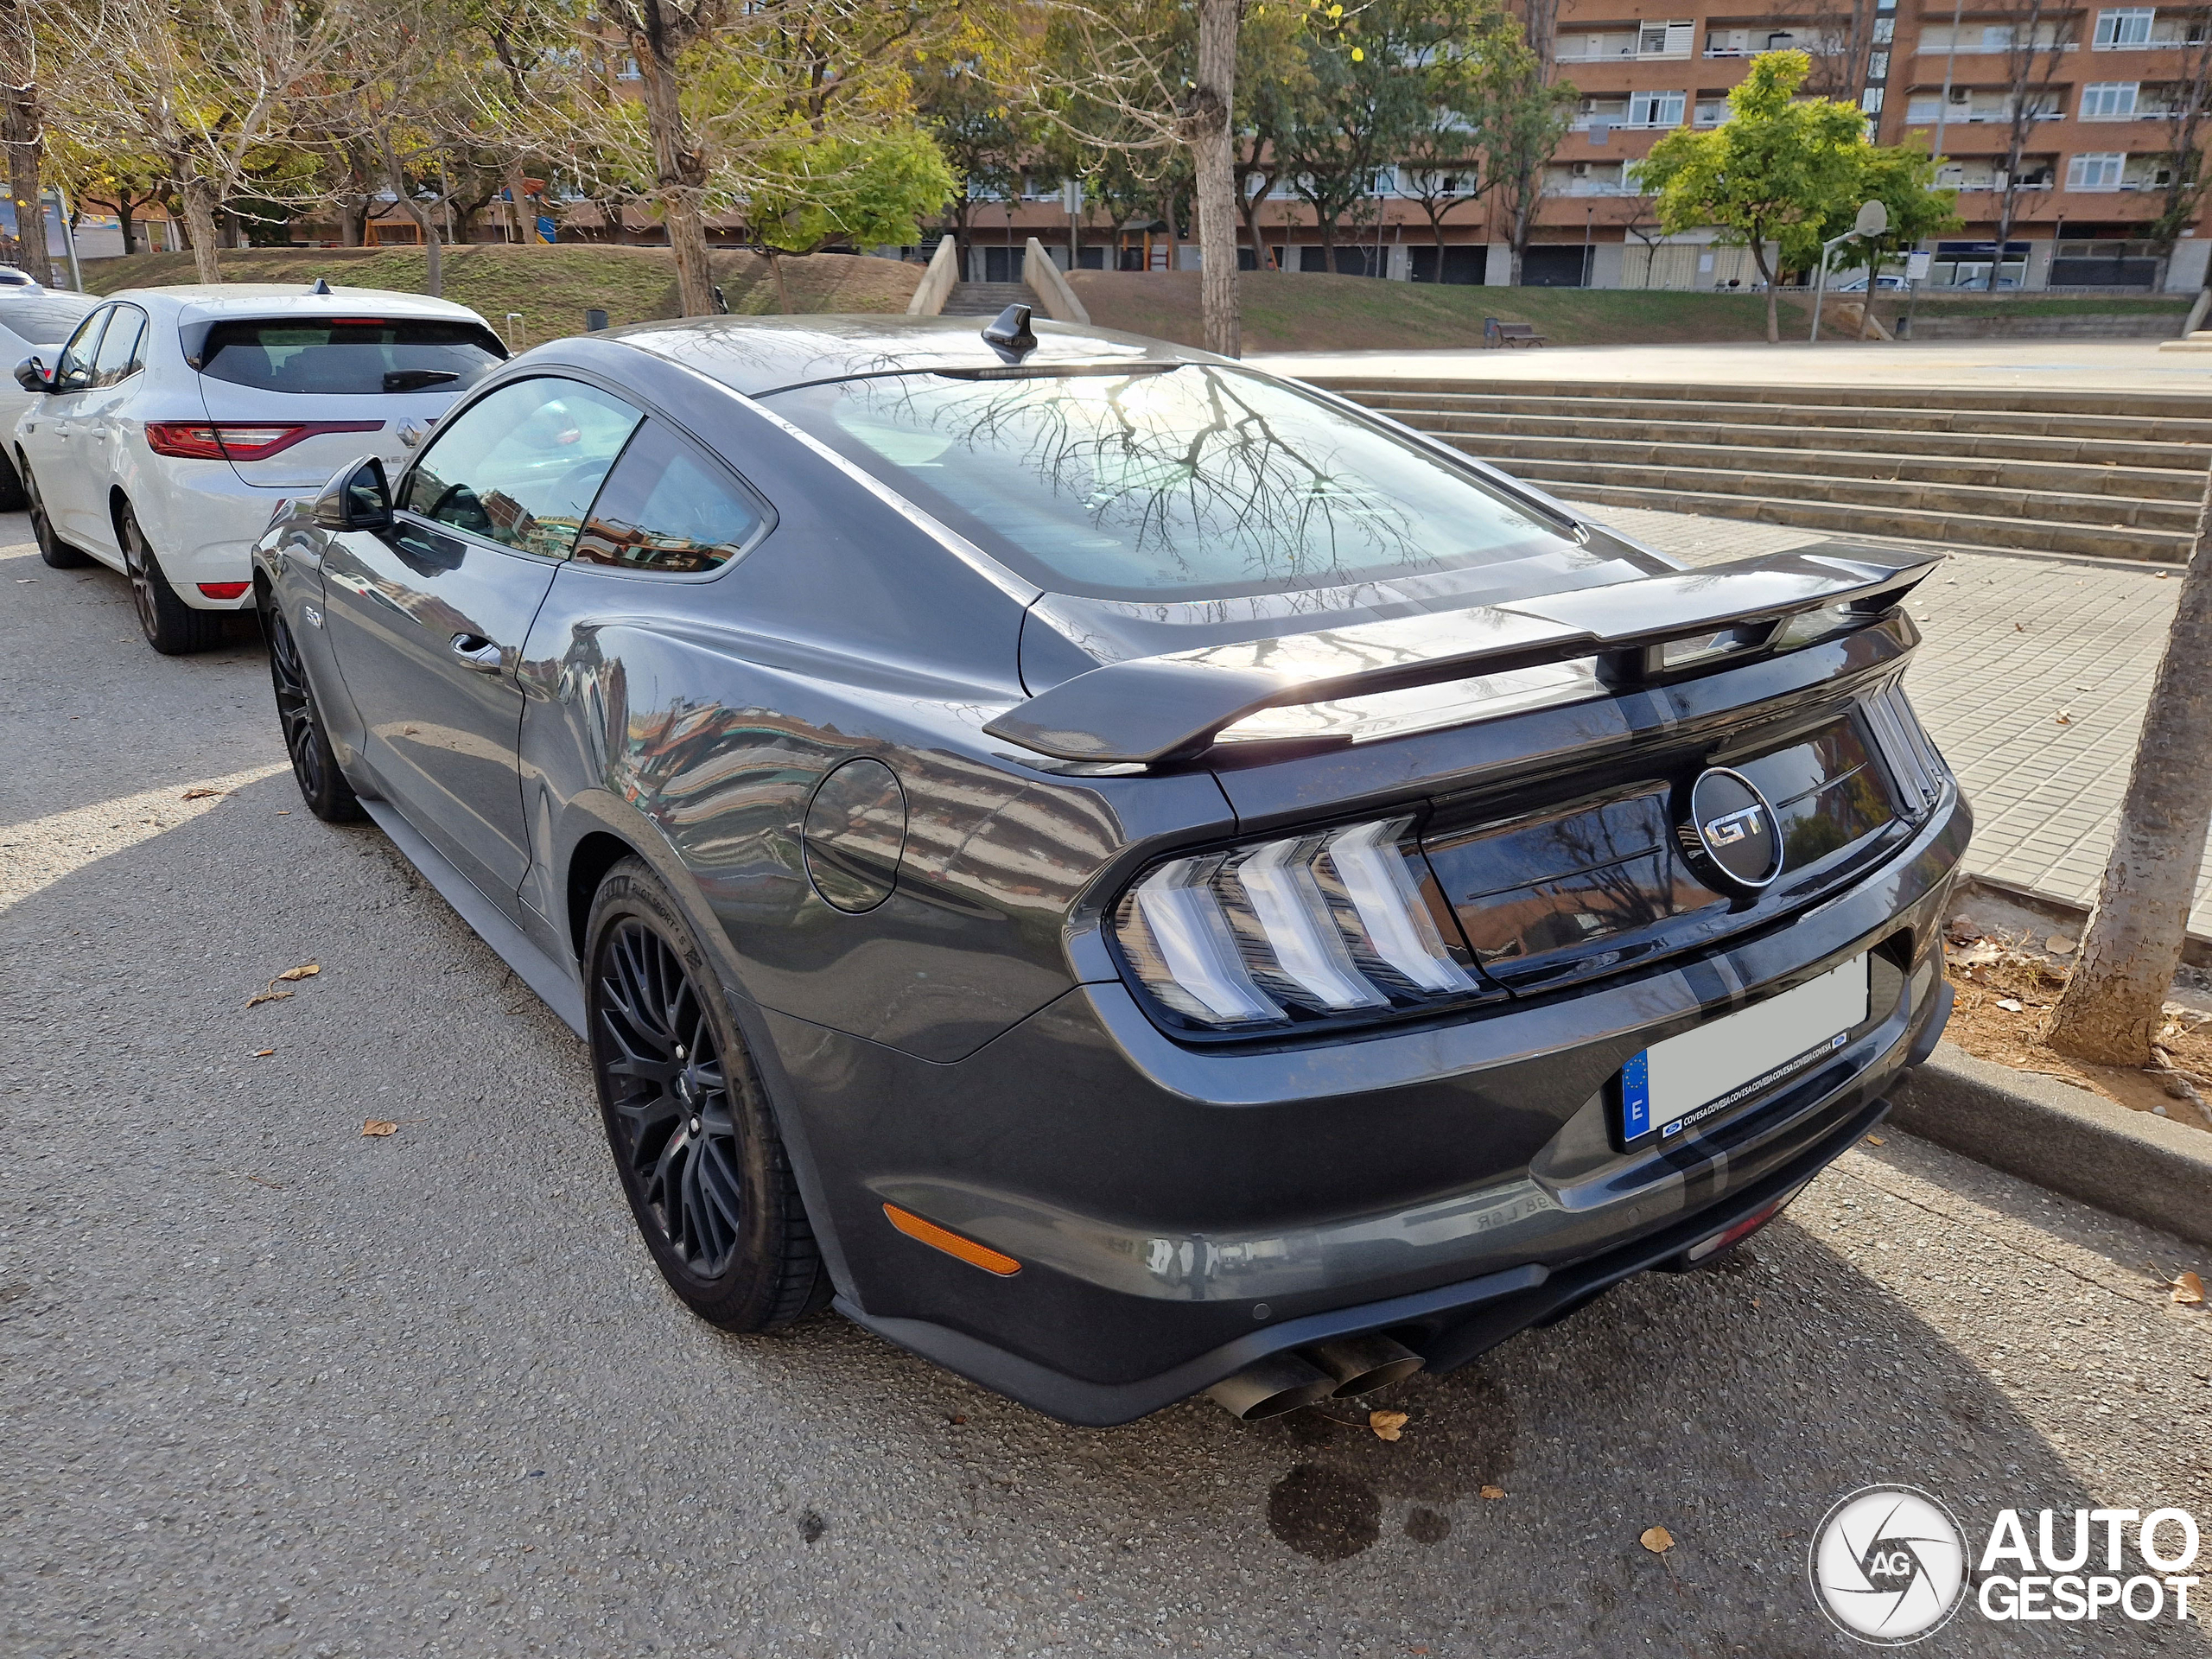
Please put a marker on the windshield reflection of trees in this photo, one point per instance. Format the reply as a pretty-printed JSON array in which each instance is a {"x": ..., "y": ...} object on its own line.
[{"x": 1213, "y": 488}]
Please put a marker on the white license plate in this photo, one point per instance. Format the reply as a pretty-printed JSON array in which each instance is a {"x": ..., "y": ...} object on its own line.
[{"x": 1673, "y": 1083}]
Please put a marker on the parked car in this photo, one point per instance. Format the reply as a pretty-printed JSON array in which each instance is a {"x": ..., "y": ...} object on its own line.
[
  {"x": 176, "y": 419},
  {"x": 1886, "y": 283},
  {"x": 34, "y": 322},
  {"x": 1131, "y": 875}
]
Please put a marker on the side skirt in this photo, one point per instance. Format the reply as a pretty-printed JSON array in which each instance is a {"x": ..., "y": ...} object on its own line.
[{"x": 554, "y": 984}]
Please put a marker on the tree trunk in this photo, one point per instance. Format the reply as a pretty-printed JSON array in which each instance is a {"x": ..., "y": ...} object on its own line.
[
  {"x": 2110, "y": 1007},
  {"x": 433, "y": 280},
  {"x": 1773, "y": 298},
  {"x": 1327, "y": 225},
  {"x": 516, "y": 207},
  {"x": 680, "y": 180},
  {"x": 199, "y": 202},
  {"x": 126, "y": 223},
  {"x": 1206, "y": 129},
  {"x": 23, "y": 132}
]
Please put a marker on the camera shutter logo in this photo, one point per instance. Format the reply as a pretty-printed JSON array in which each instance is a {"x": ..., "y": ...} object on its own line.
[{"x": 1888, "y": 1566}]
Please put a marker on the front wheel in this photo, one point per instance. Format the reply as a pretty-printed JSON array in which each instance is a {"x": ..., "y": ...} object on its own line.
[
  {"x": 171, "y": 626},
  {"x": 51, "y": 548},
  {"x": 324, "y": 788},
  {"x": 694, "y": 1141}
]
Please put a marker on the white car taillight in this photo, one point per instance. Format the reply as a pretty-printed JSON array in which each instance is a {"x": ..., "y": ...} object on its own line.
[{"x": 1332, "y": 922}]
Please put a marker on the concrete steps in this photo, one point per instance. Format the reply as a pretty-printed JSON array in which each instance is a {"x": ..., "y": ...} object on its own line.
[
  {"x": 985, "y": 299},
  {"x": 2112, "y": 475}
]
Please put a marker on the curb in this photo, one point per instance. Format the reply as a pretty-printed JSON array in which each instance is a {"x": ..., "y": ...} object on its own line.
[{"x": 2132, "y": 1164}]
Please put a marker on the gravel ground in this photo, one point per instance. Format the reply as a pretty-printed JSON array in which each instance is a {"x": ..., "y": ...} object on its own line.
[{"x": 273, "y": 1388}]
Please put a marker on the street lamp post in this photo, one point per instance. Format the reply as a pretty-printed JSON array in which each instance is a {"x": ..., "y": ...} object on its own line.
[{"x": 1873, "y": 220}]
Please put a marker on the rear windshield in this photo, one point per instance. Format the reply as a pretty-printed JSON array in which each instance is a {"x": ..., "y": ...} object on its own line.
[
  {"x": 1196, "y": 482},
  {"x": 43, "y": 319},
  {"x": 351, "y": 356}
]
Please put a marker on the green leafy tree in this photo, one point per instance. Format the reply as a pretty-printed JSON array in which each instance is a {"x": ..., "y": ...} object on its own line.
[
  {"x": 1769, "y": 179},
  {"x": 1902, "y": 177},
  {"x": 867, "y": 191},
  {"x": 1521, "y": 115}
]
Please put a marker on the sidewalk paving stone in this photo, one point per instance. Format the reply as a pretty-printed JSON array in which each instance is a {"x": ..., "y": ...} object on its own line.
[{"x": 2013, "y": 641}]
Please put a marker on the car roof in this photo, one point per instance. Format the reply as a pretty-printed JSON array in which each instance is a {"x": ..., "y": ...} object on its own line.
[
  {"x": 213, "y": 301},
  {"x": 44, "y": 316},
  {"x": 761, "y": 354}
]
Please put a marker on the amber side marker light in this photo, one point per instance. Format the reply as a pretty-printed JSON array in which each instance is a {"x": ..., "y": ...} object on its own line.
[{"x": 974, "y": 1255}]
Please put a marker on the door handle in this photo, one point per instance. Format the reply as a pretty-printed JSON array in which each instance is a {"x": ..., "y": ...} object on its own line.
[{"x": 479, "y": 652}]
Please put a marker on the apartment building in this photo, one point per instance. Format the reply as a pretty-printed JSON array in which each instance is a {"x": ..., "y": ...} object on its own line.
[{"x": 2100, "y": 82}]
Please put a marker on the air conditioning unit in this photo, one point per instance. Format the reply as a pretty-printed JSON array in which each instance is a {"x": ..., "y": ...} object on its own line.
[{"x": 1581, "y": 169}]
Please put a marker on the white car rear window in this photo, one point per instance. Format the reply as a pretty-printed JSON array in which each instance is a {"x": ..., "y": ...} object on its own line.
[{"x": 350, "y": 356}]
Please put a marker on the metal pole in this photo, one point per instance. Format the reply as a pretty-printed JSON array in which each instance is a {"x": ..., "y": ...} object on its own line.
[
  {"x": 1821, "y": 287},
  {"x": 68, "y": 238}
]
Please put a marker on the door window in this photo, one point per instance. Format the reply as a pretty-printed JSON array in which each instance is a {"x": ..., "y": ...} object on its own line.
[
  {"x": 667, "y": 506},
  {"x": 74, "y": 371},
  {"x": 118, "y": 358},
  {"x": 520, "y": 467}
]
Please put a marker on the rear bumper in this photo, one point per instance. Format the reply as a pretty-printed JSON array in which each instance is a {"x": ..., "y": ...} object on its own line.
[
  {"x": 1179, "y": 1214},
  {"x": 202, "y": 520}
]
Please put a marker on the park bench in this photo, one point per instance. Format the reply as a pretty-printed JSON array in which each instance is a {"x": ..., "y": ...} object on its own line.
[{"x": 1509, "y": 333}]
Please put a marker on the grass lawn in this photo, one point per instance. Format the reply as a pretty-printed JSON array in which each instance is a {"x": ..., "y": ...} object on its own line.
[
  {"x": 1289, "y": 312},
  {"x": 551, "y": 285}
]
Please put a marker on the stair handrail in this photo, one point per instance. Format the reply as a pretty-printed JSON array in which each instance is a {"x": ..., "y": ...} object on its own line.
[
  {"x": 938, "y": 281},
  {"x": 1055, "y": 297}
]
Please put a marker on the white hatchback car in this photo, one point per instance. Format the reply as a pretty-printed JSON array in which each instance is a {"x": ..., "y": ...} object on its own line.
[{"x": 177, "y": 419}]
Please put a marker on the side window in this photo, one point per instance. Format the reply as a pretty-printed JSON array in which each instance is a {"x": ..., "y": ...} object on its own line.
[
  {"x": 74, "y": 371},
  {"x": 667, "y": 506},
  {"x": 118, "y": 359},
  {"x": 520, "y": 467}
]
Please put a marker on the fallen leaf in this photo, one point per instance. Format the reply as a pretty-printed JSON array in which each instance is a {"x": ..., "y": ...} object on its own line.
[
  {"x": 200, "y": 792},
  {"x": 2010, "y": 1004},
  {"x": 263, "y": 1054},
  {"x": 1493, "y": 1493},
  {"x": 1386, "y": 1424},
  {"x": 377, "y": 1126},
  {"x": 1875, "y": 1141},
  {"x": 268, "y": 996},
  {"x": 2064, "y": 718},
  {"x": 1657, "y": 1540},
  {"x": 2020, "y": 628},
  {"x": 2059, "y": 945},
  {"x": 2189, "y": 1290},
  {"x": 305, "y": 970}
]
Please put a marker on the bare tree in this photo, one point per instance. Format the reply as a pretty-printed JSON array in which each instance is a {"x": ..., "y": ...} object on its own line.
[
  {"x": 2042, "y": 33},
  {"x": 205, "y": 89},
  {"x": 2110, "y": 1008},
  {"x": 2189, "y": 101},
  {"x": 24, "y": 128}
]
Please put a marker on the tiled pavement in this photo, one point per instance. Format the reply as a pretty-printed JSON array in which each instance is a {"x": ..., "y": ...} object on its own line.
[{"x": 2014, "y": 642}]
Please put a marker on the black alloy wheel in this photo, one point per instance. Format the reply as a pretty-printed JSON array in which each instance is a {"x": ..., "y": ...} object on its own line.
[
  {"x": 51, "y": 548},
  {"x": 694, "y": 1141},
  {"x": 314, "y": 765},
  {"x": 171, "y": 626}
]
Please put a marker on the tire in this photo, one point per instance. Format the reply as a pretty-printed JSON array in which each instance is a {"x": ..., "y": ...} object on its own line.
[
  {"x": 314, "y": 766},
  {"x": 51, "y": 548},
  {"x": 171, "y": 626},
  {"x": 11, "y": 484},
  {"x": 694, "y": 1141}
]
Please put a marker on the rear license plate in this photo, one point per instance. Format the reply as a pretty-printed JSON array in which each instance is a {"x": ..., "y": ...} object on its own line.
[{"x": 1677, "y": 1082}]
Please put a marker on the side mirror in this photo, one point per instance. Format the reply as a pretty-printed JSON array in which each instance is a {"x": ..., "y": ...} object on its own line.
[
  {"x": 359, "y": 498},
  {"x": 32, "y": 375}
]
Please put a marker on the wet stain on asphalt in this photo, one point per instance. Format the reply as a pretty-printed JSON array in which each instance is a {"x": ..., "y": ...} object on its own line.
[
  {"x": 811, "y": 1526},
  {"x": 1323, "y": 1513},
  {"x": 1459, "y": 1436}
]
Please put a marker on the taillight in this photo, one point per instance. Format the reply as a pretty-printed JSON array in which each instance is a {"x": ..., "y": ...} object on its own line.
[
  {"x": 224, "y": 589},
  {"x": 1332, "y": 922},
  {"x": 239, "y": 440}
]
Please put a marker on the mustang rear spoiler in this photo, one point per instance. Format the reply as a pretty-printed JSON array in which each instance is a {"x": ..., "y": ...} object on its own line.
[{"x": 1153, "y": 708}]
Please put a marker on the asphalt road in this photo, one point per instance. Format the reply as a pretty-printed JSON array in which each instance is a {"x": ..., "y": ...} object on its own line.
[{"x": 271, "y": 1387}]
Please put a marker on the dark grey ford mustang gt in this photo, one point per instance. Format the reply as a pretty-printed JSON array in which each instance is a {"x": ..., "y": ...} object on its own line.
[{"x": 1132, "y": 876}]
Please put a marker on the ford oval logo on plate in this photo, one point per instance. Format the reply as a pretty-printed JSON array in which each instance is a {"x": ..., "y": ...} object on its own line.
[{"x": 1734, "y": 830}]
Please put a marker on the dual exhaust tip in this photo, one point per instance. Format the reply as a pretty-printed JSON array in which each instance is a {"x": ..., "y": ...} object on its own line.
[{"x": 1338, "y": 1369}]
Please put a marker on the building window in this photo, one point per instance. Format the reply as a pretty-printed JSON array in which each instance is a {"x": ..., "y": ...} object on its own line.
[
  {"x": 2129, "y": 26},
  {"x": 2108, "y": 100},
  {"x": 1886, "y": 30},
  {"x": 629, "y": 70},
  {"x": 1654, "y": 109},
  {"x": 1871, "y": 100},
  {"x": 2100, "y": 171},
  {"x": 1878, "y": 66}
]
